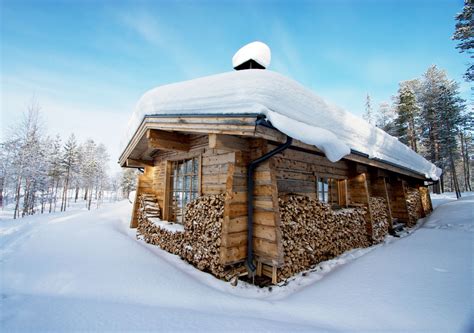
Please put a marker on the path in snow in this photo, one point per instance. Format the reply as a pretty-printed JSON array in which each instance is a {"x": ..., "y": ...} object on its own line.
[{"x": 85, "y": 270}]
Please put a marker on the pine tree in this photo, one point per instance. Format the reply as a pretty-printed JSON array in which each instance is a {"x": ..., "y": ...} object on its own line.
[
  {"x": 407, "y": 112},
  {"x": 385, "y": 118},
  {"x": 55, "y": 171},
  {"x": 464, "y": 33},
  {"x": 69, "y": 163},
  {"x": 90, "y": 167},
  {"x": 28, "y": 137},
  {"x": 450, "y": 115},
  {"x": 368, "y": 116},
  {"x": 128, "y": 182},
  {"x": 432, "y": 82}
]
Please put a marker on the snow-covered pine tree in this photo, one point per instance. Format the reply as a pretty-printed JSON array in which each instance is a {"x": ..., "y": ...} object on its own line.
[
  {"x": 102, "y": 158},
  {"x": 69, "y": 164},
  {"x": 407, "y": 113},
  {"x": 128, "y": 182},
  {"x": 433, "y": 80},
  {"x": 368, "y": 115},
  {"x": 76, "y": 179},
  {"x": 467, "y": 149},
  {"x": 450, "y": 116},
  {"x": 466, "y": 146},
  {"x": 28, "y": 140},
  {"x": 55, "y": 172},
  {"x": 464, "y": 33},
  {"x": 385, "y": 118},
  {"x": 89, "y": 169},
  {"x": 9, "y": 149}
]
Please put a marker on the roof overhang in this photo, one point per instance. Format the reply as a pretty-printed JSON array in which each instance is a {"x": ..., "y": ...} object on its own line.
[
  {"x": 139, "y": 153},
  {"x": 138, "y": 148}
]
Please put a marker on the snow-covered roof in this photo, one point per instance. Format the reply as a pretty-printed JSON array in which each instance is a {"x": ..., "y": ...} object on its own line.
[{"x": 289, "y": 106}]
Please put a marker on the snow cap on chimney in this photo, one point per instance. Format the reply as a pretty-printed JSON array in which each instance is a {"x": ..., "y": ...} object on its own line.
[{"x": 251, "y": 56}]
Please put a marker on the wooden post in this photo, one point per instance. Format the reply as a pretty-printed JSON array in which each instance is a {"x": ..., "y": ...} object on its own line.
[
  {"x": 166, "y": 208},
  {"x": 359, "y": 195},
  {"x": 398, "y": 200}
]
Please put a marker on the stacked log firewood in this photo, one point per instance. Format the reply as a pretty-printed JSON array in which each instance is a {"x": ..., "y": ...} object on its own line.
[
  {"x": 414, "y": 206},
  {"x": 149, "y": 205},
  {"x": 151, "y": 233},
  {"x": 199, "y": 243},
  {"x": 203, "y": 225},
  {"x": 312, "y": 232},
  {"x": 380, "y": 218}
]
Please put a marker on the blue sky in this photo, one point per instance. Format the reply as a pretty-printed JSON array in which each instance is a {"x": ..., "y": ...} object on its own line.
[{"x": 88, "y": 62}]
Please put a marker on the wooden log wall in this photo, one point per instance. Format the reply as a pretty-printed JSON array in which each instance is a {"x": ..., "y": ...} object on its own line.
[
  {"x": 144, "y": 185},
  {"x": 296, "y": 171},
  {"x": 378, "y": 188},
  {"x": 398, "y": 204},
  {"x": 358, "y": 195},
  {"x": 234, "y": 227},
  {"x": 267, "y": 234}
]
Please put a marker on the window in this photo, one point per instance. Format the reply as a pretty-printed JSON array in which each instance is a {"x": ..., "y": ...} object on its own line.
[
  {"x": 184, "y": 187},
  {"x": 330, "y": 190},
  {"x": 322, "y": 189}
]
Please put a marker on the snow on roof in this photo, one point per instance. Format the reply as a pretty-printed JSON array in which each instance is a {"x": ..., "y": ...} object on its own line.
[{"x": 289, "y": 106}]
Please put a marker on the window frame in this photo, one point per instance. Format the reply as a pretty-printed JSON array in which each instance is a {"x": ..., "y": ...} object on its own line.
[
  {"x": 172, "y": 174},
  {"x": 333, "y": 193}
]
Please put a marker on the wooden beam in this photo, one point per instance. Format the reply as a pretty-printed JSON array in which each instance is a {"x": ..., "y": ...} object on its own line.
[
  {"x": 228, "y": 142},
  {"x": 131, "y": 163},
  {"x": 167, "y": 140},
  {"x": 277, "y": 136}
]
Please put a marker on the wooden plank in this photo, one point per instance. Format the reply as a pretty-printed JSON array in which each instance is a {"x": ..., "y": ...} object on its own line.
[
  {"x": 218, "y": 159},
  {"x": 277, "y": 136},
  {"x": 215, "y": 124},
  {"x": 398, "y": 202},
  {"x": 138, "y": 163},
  {"x": 265, "y": 232},
  {"x": 265, "y": 248},
  {"x": 230, "y": 255},
  {"x": 166, "y": 214},
  {"x": 234, "y": 239},
  {"x": 358, "y": 193},
  {"x": 264, "y": 218},
  {"x": 167, "y": 140},
  {"x": 237, "y": 210},
  {"x": 237, "y": 224},
  {"x": 228, "y": 142}
]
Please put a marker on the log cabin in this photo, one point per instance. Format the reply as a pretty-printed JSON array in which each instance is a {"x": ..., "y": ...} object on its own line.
[{"x": 250, "y": 173}]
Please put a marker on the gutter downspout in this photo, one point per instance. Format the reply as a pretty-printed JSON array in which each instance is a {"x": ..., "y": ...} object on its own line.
[{"x": 250, "y": 186}]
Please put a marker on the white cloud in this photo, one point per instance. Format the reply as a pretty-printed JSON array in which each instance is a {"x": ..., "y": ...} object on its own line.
[{"x": 165, "y": 38}]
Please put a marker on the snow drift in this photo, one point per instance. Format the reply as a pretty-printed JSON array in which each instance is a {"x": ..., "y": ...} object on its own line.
[{"x": 292, "y": 108}]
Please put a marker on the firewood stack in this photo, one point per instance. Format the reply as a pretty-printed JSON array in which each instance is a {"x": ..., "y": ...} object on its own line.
[
  {"x": 167, "y": 240},
  {"x": 380, "y": 218},
  {"x": 312, "y": 232},
  {"x": 149, "y": 206},
  {"x": 200, "y": 242},
  {"x": 414, "y": 205},
  {"x": 204, "y": 217}
]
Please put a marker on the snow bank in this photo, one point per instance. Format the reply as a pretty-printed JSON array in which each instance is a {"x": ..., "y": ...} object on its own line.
[
  {"x": 84, "y": 270},
  {"x": 165, "y": 225},
  {"x": 292, "y": 108}
]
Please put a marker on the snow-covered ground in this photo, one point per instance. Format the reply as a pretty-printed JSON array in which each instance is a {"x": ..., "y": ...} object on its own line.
[{"x": 84, "y": 270}]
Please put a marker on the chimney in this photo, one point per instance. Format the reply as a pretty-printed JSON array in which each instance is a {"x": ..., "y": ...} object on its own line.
[{"x": 256, "y": 55}]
